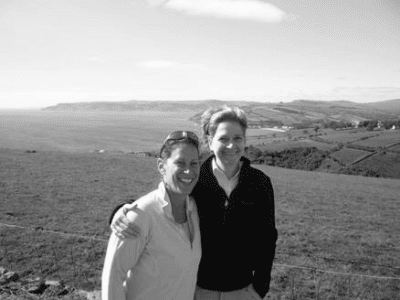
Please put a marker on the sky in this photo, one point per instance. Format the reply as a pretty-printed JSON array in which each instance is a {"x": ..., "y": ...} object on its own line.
[{"x": 59, "y": 51}]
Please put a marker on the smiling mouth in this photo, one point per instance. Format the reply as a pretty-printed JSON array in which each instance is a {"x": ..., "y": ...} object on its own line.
[
  {"x": 231, "y": 153},
  {"x": 185, "y": 180}
]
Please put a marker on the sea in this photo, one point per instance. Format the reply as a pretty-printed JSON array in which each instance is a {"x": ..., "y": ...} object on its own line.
[{"x": 90, "y": 131}]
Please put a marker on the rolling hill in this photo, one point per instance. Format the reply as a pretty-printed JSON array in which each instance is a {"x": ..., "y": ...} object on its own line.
[
  {"x": 262, "y": 114},
  {"x": 392, "y": 106}
]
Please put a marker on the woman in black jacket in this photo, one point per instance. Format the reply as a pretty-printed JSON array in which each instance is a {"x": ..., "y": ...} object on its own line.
[{"x": 237, "y": 216}]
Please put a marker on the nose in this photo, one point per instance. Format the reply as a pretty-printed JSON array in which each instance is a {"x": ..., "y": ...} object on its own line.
[
  {"x": 191, "y": 171},
  {"x": 229, "y": 145}
]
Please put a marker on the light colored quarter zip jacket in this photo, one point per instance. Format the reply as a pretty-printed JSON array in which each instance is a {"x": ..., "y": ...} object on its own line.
[{"x": 160, "y": 264}]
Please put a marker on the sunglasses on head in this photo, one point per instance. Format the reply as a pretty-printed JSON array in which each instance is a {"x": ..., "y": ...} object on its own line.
[{"x": 177, "y": 136}]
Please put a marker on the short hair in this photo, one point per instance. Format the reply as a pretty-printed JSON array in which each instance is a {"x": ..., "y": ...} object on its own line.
[{"x": 211, "y": 118}]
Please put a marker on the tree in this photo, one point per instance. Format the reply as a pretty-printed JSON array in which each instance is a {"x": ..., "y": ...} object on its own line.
[{"x": 253, "y": 152}]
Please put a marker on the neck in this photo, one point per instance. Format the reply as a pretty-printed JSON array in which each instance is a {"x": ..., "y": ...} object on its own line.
[
  {"x": 229, "y": 170},
  {"x": 178, "y": 207},
  {"x": 176, "y": 200}
]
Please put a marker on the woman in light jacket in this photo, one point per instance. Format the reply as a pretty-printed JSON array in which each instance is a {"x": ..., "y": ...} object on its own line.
[{"x": 163, "y": 262}]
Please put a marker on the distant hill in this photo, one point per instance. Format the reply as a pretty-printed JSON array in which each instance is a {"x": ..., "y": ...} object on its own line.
[
  {"x": 135, "y": 105},
  {"x": 392, "y": 106},
  {"x": 259, "y": 113},
  {"x": 374, "y": 153},
  {"x": 310, "y": 112}
]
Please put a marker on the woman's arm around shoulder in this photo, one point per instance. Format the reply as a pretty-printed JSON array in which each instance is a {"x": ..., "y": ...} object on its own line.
[{"x": 122, "y": 255}]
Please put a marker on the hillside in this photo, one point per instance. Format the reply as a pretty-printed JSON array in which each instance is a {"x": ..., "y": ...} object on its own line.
[
  {"x": 374, "y": 153},
  {"x": 304, "y": 112},
  {"x": 362, "y": 151},
  {"x": 135, "y": 105},
  {"x": 392, "y": 106},
  {"x": 337, "y": 233}
]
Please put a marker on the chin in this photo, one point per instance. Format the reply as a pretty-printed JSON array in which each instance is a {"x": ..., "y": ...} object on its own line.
[
  {"x": 186, "y": 190},
  {"x": 232, "y": 158}
]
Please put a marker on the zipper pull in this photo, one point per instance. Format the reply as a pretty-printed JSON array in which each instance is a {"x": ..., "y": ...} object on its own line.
[{"x": 226, "y": 203}]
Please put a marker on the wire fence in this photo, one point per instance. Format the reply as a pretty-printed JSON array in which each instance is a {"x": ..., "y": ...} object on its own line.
[{"x": 77, "y": 259}]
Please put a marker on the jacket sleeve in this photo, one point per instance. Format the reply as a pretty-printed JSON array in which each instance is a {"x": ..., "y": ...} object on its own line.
[
  {"x": 116, "y": 209},
  {"x": 122, "y": 255},
  {"x": 268, "y": 238}
]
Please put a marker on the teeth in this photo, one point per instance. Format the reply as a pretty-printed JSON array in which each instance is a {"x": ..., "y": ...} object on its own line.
[{"x": 186, "y": 180}]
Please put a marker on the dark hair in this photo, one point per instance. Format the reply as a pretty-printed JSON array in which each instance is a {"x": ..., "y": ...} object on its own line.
[
  {"x": 211, "y": 118},
  {"x": 177, "y": 138}
]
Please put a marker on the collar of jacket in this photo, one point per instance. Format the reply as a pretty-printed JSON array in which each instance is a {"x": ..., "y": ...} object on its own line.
[
  {"x": 165, "y": 202},
  {"x": 207, "y": 163}
]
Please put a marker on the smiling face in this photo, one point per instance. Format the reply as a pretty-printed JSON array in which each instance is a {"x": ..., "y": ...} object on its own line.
[
  {"x": 180, "y": 171},
  {"x": 228, "y": 144}
]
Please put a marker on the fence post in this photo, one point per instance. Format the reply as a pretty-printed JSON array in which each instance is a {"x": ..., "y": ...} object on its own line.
[
  {"x": 317, "y": 284},
  {"x": 73, "y": 265},
  {"x": 55, "y": 258},
  {"x": 293, "y": 289}
]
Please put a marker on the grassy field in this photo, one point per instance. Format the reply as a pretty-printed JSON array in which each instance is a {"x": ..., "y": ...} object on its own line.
[
  {"x": 383, "y": 140},
  {"x": 348, "y": 136},
  {"x": 69, "y": 193},
  {"x": 336, "y": 224},
  {"x": 348, "y": 155},
  {"x": 282, "y": 145},
  {"x": 338, "y": 233},
  {"x": 383, "y": 163},
  {"x": 356, "y": 151},
  {"x": 395, "y": 148},
  {"x": 271, "y": 140}
]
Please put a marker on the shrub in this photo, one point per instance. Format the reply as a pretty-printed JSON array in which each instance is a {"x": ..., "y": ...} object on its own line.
[{"x": 302, "y": 158}]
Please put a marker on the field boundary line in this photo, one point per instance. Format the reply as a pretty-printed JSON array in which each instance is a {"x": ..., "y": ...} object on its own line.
[
  {"x": 275, "y": 264},
  {"x": 337, "y": 259},
  {"x": 361, "y": 159},
  {"x": 93, "y": 237},
  {"x": 335, "y": 272},
  {"x": 343, "y": 228}
]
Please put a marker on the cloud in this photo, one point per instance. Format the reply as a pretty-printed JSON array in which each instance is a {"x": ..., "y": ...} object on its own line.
[
  {"x": 162, "y": 64},
  {"x": 96, "y": 59},
  {"x": 255, "y": 10},
  {"x": 155, "y": 64}
]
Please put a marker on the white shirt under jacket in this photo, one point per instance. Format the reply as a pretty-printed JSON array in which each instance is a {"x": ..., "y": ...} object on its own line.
[{"x": 162, "y": 263}]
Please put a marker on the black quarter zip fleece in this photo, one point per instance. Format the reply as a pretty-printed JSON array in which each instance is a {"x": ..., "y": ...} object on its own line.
[{"x": 238, "y": 233}]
